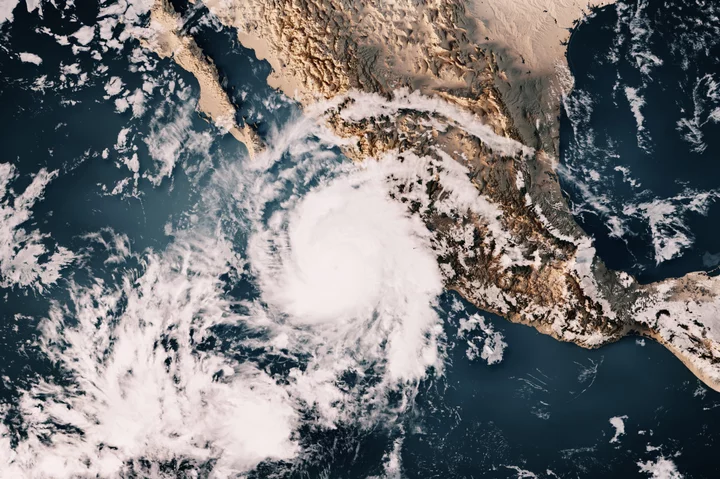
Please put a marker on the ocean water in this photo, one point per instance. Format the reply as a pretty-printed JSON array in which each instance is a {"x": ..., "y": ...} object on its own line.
[
  {"x": 544, "y": 410},
  {"x": 639, "y": 136}
]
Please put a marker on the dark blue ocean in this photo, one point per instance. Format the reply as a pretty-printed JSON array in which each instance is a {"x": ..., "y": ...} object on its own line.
[
  {"x": 639, "y": 135},
  {"x": 545, "y": 409}
]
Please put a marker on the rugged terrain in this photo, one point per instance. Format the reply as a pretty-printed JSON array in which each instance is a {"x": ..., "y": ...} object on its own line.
[
  {"x": 167, "y": 40},
  {"x": 442, "y": 85}
]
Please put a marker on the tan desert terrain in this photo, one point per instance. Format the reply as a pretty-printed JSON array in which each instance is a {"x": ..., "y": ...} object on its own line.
[{"x": 470, "y": 93}]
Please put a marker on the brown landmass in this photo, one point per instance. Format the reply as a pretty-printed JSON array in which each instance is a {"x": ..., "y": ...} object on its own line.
[
  {"x": 518, "y": 252},
  {"x": 168, "y": 42}
]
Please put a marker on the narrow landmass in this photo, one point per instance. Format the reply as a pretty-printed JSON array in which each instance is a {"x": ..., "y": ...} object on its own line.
[
  {"x": 168, "y": 41},
  {"x": 477, "y": 84}
]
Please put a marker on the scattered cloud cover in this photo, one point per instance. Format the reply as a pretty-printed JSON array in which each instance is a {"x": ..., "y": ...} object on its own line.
[
  {"x": 27, "y": 257},
  {"x": 141, "y": 388},
  {"x": 347, "y": 285},
  {"x": 706, "y": 110},
  {"x": 484, "y": 342},
  {"x": 6, "y": 10},
  {"x": 618, "y": 422},
  {"x": 30, "y": 58},
  {"x": 661, "y": 468}
]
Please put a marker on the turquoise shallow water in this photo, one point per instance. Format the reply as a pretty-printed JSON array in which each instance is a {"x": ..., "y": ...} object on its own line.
[{"x": 545, "y": 409}]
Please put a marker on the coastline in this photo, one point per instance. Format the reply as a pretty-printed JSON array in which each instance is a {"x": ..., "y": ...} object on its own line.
[
  {"x": 698, "y": 372},
  {"x": 167, "y": 42},
  {"x": 530, "y": 41},
  {"x": 532, "y": 33},
  {"x": 568, "y": 294},
  {"x": 291, "y": 87}
]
